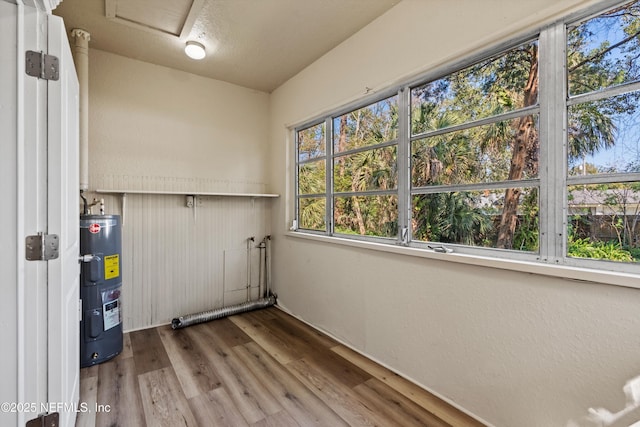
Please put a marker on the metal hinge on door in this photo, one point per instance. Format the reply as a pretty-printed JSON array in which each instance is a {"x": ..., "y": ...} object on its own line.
[
  {"x": 45, "y": 420},
  {"x": 41, "y": 65},
  {"x": 41, "y": 247}
]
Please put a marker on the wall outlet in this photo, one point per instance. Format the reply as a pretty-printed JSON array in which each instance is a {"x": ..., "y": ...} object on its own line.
[{"x": 189, "y": 201}]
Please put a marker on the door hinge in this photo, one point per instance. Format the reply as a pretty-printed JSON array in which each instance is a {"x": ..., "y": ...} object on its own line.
[
  {"x": 45, "y": 420},
  {"x": 41, "y": 65},
  {"x": 41, "y": 247}
]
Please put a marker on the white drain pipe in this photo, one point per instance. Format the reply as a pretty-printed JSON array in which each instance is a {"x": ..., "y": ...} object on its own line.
[
  {"x": 81, "y": 59},
  {"x": 250, "y": 240},
  {"x": 264, "y": 301}
]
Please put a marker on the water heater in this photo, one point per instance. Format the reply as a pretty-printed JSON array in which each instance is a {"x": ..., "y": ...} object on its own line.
[{"x": 100, "y": 288}]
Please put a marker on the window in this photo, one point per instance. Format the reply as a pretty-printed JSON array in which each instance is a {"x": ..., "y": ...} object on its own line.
[
  {"x": 312, "y": 182},
  {"x": 365, "y": 173},
  {"x": 499, "y": 158},
  {"x": 474, "y": 154},
  {"x": 603, "y": 148}
]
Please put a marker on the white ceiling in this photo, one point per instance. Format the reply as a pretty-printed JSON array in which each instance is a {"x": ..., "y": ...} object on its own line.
[{"x": 258, "y": 44}]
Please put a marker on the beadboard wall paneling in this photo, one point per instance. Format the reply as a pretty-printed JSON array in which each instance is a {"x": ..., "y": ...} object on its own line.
[{"x": 178, "y": 260}]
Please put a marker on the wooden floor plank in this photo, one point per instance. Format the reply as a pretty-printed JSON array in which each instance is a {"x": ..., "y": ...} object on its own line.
[
  {"x": 249, "y": 395},
  {"x": 127, "y": 351},
  {"x": 281, "y": 419},
  {"x": 305, "y": 345},
  {"x": 376, "y": 394},
  {"x": 216, "y": 409},
  {"x": 423, "y": 398},
  {"x": 315, "y": 337},
  {"x": 342, "y": 399},
  {"x": 338, "y": 369},
  {"x": 194, "y": 371},
  {"x": 163, "y": 401},
  {"x": 148, "y": 351},
  {"x": 91, "y": 371},
  {"x": 89, "y": 393},
  {"x": 300, "y": 344},
  {"x": 260, "y": 368},
  {"x": 268, "y": 313},
  {"x": 118, "y": 388},
  {"x": 300, "y": 402},
  {"x": 277, "y": 348},
  {"x": 228, "y": 332}
]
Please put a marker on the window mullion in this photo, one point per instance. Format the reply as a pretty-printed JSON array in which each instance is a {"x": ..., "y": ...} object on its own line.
[
  {"x": 403, "y": 165},
  {"x": 296, "y": 184},
  {"x": 328, "y": 125},
  {"x": 526, "y": 111},
  {"x": 553, "y": 113}
]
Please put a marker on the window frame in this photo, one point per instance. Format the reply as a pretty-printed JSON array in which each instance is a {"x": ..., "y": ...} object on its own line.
[
  {"x": 346, "y": 194},
  {"x": 298, "y": 196},
  {"x": 601, "y": 178},
  {"x": 552, "y": 181}
]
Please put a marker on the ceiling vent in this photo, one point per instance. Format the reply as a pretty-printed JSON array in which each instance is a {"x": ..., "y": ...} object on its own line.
[{"x": 172, "y": 17}]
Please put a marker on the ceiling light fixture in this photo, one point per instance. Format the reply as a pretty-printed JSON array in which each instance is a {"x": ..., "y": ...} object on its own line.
[{"x": 194, "y": 50}]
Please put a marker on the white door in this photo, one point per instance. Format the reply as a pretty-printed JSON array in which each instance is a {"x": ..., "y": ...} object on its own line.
[
  {"x": 30, "y": 216},
  {"x": 12, "y": 332},
  {"x": 39, "y": 321},
  {"x": 63, "y": 218}
]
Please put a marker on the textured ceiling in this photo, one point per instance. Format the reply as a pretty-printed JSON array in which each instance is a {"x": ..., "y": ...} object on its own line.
[{"x": 258, "y": 44}]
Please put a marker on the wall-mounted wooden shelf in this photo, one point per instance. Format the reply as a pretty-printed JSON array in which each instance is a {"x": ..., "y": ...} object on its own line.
[
  {"x": 123, "y": 195},
  {"x": 188, "y": 193}
]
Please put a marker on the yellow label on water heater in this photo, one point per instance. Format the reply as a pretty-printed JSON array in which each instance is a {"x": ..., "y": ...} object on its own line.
[{"x": 111, "y": 266}]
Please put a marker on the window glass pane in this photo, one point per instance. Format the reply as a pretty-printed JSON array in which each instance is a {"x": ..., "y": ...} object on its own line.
[
  {"x": 502, "y": 218},
  {"x": 367, "y": 215},
  {"x": 604, "y": 136},
  {"x": 311, "y": 142},
  {"x": 604, "y": 221},
  {"x": 492, "y": 87},
  {"x": 479, "y": 154},
  {"x": 312, "y": 177},
  {"x": 366, "y": 170},
  {"x": 604, "y": 50},
  {"x": 311, "y": 213},
  {"x": 371, "y": 125}
]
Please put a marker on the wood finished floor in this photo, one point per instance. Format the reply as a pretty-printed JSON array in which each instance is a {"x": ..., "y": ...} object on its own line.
[{"x": 262, "y": 368}]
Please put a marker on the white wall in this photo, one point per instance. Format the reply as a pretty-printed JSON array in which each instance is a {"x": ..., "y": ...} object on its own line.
[
  {"x": 155, "y": 128},
  {"x": 151, "y": 123},
  {"x": 515, "y": 349}
]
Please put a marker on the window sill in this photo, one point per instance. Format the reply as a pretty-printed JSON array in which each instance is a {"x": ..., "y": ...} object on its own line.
[{"x": 561, "y": 271}]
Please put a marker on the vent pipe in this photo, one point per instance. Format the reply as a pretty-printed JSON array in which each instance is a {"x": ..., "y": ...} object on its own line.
[
  {"x": 81, "y": 59},
  {"x": 219, "y": 313}
]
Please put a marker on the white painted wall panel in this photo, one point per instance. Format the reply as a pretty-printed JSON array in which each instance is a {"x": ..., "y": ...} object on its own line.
[
  {"x": 513, "y": 348},
  {"x": 155, "y": 127}
]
